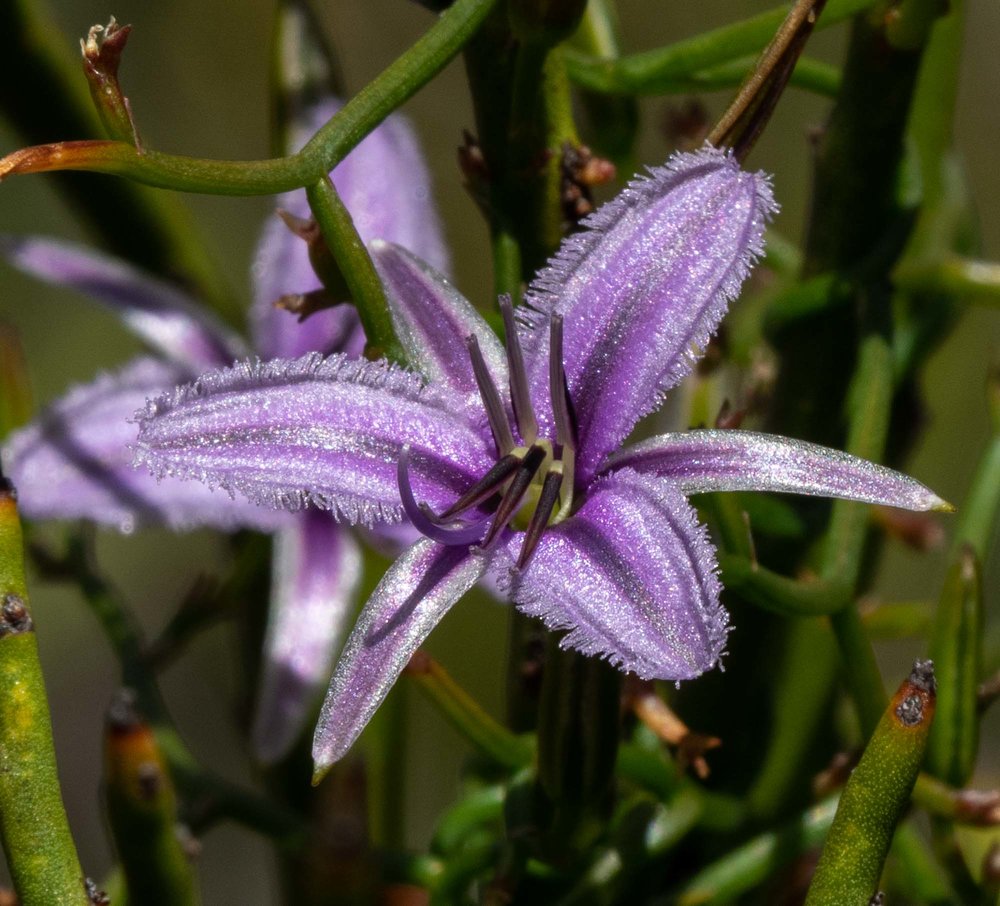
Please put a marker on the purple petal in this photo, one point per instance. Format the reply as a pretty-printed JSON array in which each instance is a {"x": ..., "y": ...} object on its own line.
[
  {"x": 161, "y": 315},
  {"x": 433, "y": 321},
  {"x": 632, "y": 576},
  {"x": 75, "y": 462},
  {"x": 642, "y": 289},
  {"x": 412, "y": 598},
  {"x": 716, "y": 460},
  {"x": 316, "y": 572},
  {"x": 385, "y": 184},
  {"x": 325, "y": 432}
]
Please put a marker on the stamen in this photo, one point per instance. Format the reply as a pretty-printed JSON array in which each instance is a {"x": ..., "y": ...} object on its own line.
[
  {"x": 527, "y": 424},
  {"x": 515, "y": 492},
  {"x": 540, "y": 518},
  {"x": 562, "y": 406},
  {"x": 502, "y": 436},
  {"x": 463, "y": 534},
  {"x": 489, "y": 484}
]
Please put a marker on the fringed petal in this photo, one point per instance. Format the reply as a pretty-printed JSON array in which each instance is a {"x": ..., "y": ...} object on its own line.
[
  {"x": 718, "y": 460},
  {"x": 316, "y": 572},
  {"x": 75, "y": 462},
  {"x": 632, "y": 577},
  {"x": 154, "y": 310},
  {"x": 412, "y": 598},
  {"x": 641, "y": 290},
  {"x": 314, "y": 431},
  {"x": 433, "y": 321}
]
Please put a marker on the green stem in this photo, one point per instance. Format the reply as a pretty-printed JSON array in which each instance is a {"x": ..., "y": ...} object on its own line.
[
  {"x": 355, "y": 264},
  {"x": 142, "y": 812},
  {"x": 492, "y": 739},
  {"x": 962, "y": 278},
  {"x": 980, "y": 511},
  {"x": 331, "y": 144},
  {"x": 215, "y": 797},
  {"x": 43, "y": 92},
  {"x": 34, "y": 829},
  {"x": 869, "y": 406},
  {"x": 781, "y": 595},
  {"x": 875, "y": 797},
  {"x": 654, "y": 71},
  {"x": 756, "y": 860}
]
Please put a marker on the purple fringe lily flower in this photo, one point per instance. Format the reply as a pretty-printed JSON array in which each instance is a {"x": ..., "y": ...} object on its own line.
[
  {"x": 75, "y": 460},
  {"x": 507, "y": 456}
]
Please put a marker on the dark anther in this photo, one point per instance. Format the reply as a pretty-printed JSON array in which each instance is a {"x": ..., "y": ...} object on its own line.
[
  {"x": 488, "y": 485},
  {"x": 562, "y": 405},
  {"x": 502, "y": 436},
  {"x": 516, "y": 490},
  {"x": 540, "y": 518},
  {"x": 519, "y": 396}
]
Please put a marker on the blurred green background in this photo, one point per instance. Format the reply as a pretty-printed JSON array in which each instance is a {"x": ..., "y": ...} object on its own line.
[{"x": 196, "y": 74}]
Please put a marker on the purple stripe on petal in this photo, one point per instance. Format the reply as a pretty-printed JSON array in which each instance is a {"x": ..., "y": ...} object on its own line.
[
  {"x": 632, "y": 577},
  {"x": 433, "y": 321},
  {"x": 157, "y": 312},
  {"x": 316, "y": 571},
  {"x": 412, "y": 598},
  {"x": 642, "y": 289},
  {"x": 385, "y": 184},
  {"x": 324, "y": 432},
  {"x": 717, "y": 460},
  {"x": 74, "y": 462}
]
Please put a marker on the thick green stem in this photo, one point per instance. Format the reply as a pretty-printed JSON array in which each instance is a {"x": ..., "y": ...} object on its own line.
[
  {"x": 35, "y": 833},
  {"x": 355, "y": 264},
  {"x": 875, "y": 797},
  {"x": 396, "y": 84}
]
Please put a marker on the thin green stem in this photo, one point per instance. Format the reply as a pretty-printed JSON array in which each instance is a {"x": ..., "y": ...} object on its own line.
[
  {"x": 396, "y": 84},
  {"x": 655, "y": 71},
  {"x": 869, "y": 406},
  {"x": 43, "y": 93},
  {"x": 214, "y": 796},
  {"x": 355, "y": 264},
  {"x": 491, "y": 738},
  {"x": 756, "y": 860},
  {"x": 34, "y": 829},
  {"x": 781, "y": 595},
  {"x": 963, "y": 278}
]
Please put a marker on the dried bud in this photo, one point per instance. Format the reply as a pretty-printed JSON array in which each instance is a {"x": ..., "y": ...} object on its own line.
[{"x": 102, "y": 52}]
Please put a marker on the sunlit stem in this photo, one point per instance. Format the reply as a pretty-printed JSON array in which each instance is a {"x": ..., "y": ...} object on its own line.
[
  {"x": 527, "y": 424},
  {"x": 502, "y": 436}
]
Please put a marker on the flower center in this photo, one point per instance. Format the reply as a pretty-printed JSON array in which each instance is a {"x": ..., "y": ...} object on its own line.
[{"x": 528, "y": 480}]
